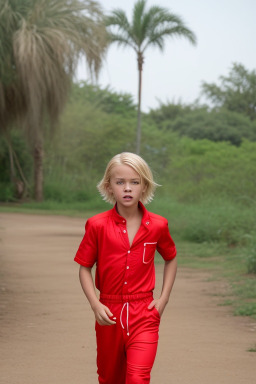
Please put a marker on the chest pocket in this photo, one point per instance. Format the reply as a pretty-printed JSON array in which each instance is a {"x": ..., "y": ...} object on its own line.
[{"x": 149, "y": 252}]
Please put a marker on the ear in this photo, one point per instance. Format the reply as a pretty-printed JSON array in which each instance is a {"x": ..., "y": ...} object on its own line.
[
  {"x": 109, "y": 188},
  {"x": 144, "y": 188}
]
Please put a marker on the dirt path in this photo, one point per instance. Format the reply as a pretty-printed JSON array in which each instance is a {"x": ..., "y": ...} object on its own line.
[{"x": 47, "y": 329}]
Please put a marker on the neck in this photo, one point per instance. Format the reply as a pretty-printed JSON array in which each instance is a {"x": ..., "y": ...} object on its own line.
[{"x": 128, "y": 212}]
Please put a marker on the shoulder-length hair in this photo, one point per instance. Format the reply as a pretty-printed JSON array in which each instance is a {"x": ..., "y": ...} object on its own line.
[{"x": 139, "y": 165}]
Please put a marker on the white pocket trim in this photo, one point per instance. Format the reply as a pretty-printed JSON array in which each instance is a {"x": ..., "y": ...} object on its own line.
[{"x": 144, "y": 251}]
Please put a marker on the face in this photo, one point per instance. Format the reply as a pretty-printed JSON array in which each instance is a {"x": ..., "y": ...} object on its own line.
[{"x": 126, "y": 186}]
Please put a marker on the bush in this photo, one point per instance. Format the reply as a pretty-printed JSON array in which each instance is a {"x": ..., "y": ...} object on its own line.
[
  {"x": 218, "y": 220},
  {"x": 251, "y": 258},
  {"x": 7, "y": 192}
]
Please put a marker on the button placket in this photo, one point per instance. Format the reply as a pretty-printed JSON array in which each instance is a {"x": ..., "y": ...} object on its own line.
[{"x": 127, "y": 268}]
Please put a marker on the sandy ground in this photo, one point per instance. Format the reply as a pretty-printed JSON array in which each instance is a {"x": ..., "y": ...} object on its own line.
[{"x": 47, "y": 328}]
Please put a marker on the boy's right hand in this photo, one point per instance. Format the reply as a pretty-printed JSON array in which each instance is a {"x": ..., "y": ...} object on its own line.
[{"x": 103, "y": 314}]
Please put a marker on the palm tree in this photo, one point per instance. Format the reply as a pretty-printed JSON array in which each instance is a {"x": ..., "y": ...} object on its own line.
[
  {"x": 41, "y": 42},
  {"x": 147, "y": 28}
]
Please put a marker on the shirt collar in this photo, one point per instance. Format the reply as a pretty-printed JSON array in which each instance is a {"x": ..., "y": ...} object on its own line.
[{"x": 121, "y": 220}]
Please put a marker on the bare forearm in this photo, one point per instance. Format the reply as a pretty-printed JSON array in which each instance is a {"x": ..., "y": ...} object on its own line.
[
  {"x": 102, "y": 313},
  {"x": 87, "y": 284},
  {"x": 169, "y": 275}
]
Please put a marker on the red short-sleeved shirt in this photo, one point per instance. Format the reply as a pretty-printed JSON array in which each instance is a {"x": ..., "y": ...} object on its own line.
[{"x": 121, "y": 268}]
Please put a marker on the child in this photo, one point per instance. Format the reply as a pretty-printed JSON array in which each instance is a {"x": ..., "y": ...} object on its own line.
[{"x": 122, "y": 243}]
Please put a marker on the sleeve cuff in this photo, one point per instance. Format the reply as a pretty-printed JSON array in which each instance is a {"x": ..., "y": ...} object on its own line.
[{"x": 83, "y": 263}]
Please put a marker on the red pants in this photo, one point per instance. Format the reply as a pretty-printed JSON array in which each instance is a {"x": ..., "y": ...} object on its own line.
[{"x": 126, "y": 351}]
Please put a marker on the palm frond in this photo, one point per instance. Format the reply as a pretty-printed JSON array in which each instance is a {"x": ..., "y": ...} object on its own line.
[
  {"x": 40, "y": 45},
  {"x": 137, "y": 19},
  {"x": 148, "y": 27},
  {"x": 162, "y": 23},
  {"x": 156, "y": 37},
  {"x": 120, "y": 31},
  {"x": 120, "y": 40}
]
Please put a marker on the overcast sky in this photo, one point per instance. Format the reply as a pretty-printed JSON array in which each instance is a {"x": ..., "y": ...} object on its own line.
[{"x": 226, "y": 33}]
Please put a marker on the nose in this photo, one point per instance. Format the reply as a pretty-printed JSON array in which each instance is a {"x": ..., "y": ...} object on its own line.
[{"x": 127, "y": 187}]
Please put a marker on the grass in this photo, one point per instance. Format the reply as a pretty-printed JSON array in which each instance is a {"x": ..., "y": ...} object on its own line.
[
  {"x": 76, "y": 209},
  {"x": 252, "y": 349}
]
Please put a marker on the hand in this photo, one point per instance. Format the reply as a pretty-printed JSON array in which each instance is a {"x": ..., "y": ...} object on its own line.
[
  {"x": 159, "y": 305},
  {"x": 103, "y": 314}
]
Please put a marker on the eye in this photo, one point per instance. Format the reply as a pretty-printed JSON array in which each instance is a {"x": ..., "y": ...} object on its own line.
[
  {"x": 119, "y": 182},
  {"x": 135, "y": 182}
]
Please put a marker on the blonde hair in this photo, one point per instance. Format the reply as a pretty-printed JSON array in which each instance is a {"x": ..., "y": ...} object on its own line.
[{"x": 139, "y": 165}]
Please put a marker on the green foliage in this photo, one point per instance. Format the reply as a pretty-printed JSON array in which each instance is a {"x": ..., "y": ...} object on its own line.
[
  {"x": 7, "y": 192},
  {"x": 198, "y": 122},
  {"x": 167, "y": 113},
  {"x": 104, "y": 99},
  {"x": 246, "y": 309},
  {"x": 201, "y": 169},
  {"x": 20, "y": 148},
  {"x": 237, "y": 91},
  {"x": 225, "y": 223},
  {"x": 252, "y": 349},
  {"x": 251, "y": 256},
  {"x": 40, "y": 44},
  {"x": 221, "y": 126}
]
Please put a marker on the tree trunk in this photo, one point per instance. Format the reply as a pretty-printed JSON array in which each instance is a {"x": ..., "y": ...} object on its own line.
[
  {"x": 12, "y": 168},
  {"x": 140, "y": 65},
  {"x": 21, "y": 185},
  {"x": 38, "y": 170}
]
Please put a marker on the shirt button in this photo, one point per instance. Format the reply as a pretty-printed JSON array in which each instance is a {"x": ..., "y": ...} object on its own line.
[
  {"x": 123, "y": 221},
  {"x": 124, "y": 231},
  {"x": 125, "y": 282},
  {"x": 129, "y": 251},
  {"x": 127, "y": 267},
  {"x": 147, "y": 222}
]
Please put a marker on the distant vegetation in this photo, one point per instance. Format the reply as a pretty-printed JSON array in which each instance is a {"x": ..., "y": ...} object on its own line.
[{"x": 203, "y": 156}]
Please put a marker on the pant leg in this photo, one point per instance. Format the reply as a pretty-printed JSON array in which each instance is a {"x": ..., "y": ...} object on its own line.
[
  {"x": 111, "y": 356},
  {"x": 142, "y": 347}
]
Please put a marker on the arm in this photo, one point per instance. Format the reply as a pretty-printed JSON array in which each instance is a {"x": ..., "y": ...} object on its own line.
[
  {"x": 101, "y": 312},
  {"x": 169, "y": 275}
]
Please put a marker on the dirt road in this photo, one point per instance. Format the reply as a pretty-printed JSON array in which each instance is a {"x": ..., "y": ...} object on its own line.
[{"x": 47, "y": 328}]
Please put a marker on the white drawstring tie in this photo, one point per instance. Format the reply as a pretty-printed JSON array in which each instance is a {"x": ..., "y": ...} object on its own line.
[{"x": 127, "y": 317}]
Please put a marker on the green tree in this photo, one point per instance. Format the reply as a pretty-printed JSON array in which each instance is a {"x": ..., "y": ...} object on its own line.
[
  {"x": 169, "y": 112},
  {"x": 148, "y": 28},
  {"x": 214, "y": 125},
  {"x": 236, "y": 92},
  {"x": 41, "y": 42},
  {"x": 104, "y": 99}
]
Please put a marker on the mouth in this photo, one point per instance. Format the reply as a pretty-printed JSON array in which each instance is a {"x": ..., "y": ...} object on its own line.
[{"x": 127, "y": 197}]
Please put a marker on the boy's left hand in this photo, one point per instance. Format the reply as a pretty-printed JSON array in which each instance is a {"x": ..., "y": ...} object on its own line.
[{"x": 159, "y": 305}]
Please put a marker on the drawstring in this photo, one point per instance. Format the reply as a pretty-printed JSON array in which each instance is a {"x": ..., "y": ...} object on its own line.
[{"x": 127, "y": 317}]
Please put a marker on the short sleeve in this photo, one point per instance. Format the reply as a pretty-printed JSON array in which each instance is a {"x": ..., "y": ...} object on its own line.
[
  {"x": 165, "y": 244},
  {"x": 87, "y": 252}
]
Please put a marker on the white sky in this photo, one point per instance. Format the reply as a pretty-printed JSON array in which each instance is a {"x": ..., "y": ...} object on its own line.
[{"x": 226, "y": 33}]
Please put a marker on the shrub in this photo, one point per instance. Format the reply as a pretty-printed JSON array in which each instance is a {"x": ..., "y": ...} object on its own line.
[{"x": 251, "y": 258}]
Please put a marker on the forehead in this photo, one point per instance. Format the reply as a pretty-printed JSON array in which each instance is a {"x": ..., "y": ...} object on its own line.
[{"x": 124, "y": 172}]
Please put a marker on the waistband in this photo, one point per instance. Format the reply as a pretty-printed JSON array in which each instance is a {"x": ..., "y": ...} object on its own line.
[{"x": 126, "y": 298}]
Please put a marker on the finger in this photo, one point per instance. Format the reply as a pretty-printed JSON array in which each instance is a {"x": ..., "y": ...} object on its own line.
[
  {"x": 152, "y": 304},
  {"x": 108, "y": 312},
  {"x": 107, "y": 320},
  {"x": 110, "y": 315}
]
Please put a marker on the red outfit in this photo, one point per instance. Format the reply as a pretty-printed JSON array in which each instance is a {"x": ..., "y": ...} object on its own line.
[{"x": 125, "y": 277}]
